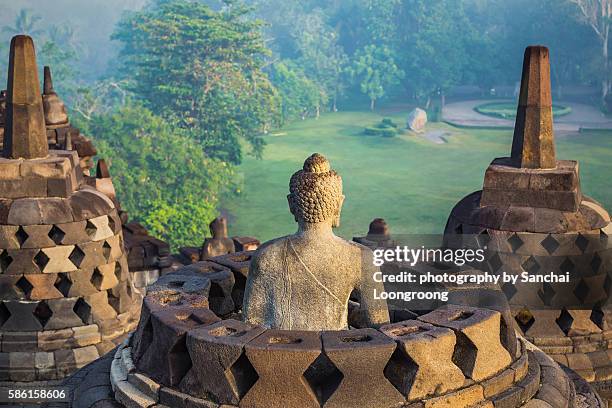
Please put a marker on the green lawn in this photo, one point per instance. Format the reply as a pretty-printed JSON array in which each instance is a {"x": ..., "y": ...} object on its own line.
[{"x": 409, "y": 181}]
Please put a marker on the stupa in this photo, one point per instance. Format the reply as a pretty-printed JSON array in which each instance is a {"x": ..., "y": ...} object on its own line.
[
  {"x": 194, "y": 347},
  {"x": 532, "y": 217},
  {"x": 66, "y": 295}
]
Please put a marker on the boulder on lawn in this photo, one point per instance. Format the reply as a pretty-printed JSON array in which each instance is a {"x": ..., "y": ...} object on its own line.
[{"x": 417, "y": 120}]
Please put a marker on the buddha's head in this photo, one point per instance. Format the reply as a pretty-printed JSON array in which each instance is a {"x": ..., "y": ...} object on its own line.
[
  {"x": 218, "y": 227},
  {"x": 315, "y": 193},
  {"x": 378, "y": 228}
]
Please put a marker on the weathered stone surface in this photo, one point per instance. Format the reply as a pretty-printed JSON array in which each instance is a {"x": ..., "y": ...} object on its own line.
[
  {"x": 480, "y": 353},
  {"x": 62, "y": 314},
  {"x": 25, "y": 133},
  {"x": 533, "y": 144},
  {"x": 281, "y": 358},
  {"x": 417, "y": 119},
  {"x": 166, "y": 358},
  {"x": 361, "y": 356},
  {"x": 423, "y": 364},
  {"x": 53, "y": 107},
  {"x": 220, "y": 370},
  {"x": 219, "y": 244},
  {"x": 310, "y": 275}
]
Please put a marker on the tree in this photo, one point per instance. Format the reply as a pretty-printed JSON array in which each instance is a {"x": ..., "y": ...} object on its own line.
[
  {"x": 321, "y": 56},
  {"x": 25, "y": 23},
  {"x": 376, "y": 70},
  {"x": 163, "y": 179},
  {"x": 202, "y": 69},
  {"x": 598, "y": 15},
  {"x": 298, "y": 94}
]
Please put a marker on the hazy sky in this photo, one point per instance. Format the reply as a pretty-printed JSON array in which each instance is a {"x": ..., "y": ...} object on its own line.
[{"x": 93, "y": 21}]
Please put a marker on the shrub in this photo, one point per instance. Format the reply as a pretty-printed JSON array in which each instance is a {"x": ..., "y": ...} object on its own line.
[
  {"x": 388, "y": 123},
  {"x": 378, "y": 131}
]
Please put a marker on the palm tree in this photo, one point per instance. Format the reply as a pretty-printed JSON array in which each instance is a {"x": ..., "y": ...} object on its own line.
[
  {"x": 64, "y": 35},
  {"x": 25, "y": 23}
]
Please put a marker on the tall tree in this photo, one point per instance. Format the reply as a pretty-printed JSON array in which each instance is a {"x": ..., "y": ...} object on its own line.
[
  {"x": 26, "y": 22},
  {"x": 598, "y": 14},
  {"x": 376, "y": 71},
  {"x": 203, "y": 69}
]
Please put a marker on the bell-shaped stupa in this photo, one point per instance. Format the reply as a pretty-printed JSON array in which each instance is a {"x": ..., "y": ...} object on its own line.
[{"x": 66, "y": 295}]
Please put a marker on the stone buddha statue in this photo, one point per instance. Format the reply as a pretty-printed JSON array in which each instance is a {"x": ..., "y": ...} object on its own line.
[
  {"x": 219, "y": 244},
  {"x": 303, "y": 281}
]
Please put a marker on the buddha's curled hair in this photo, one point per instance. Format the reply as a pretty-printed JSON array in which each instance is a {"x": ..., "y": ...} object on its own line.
[{"x": 316, "y": 190}]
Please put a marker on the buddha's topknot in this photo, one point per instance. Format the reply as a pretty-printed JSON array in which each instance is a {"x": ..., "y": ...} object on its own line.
[{"x": 316, "y": 190}]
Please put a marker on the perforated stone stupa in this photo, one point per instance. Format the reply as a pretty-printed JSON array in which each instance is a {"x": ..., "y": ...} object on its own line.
[
  {"x": 66, "y": 295},
  {"x": 532, "y": 217}
]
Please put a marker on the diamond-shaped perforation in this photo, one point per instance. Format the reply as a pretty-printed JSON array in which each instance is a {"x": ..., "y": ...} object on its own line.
[
  {"x": 21, "y": 236},
  {"x": 111, "y": 223},
  {"x": 565, "y": 321},
  {"x": 25, "y": 286},
  {"x": 607, "y": 285},
  {"x": 323, "y": 377},
  {"x": 76, "y": 256},
  {"x": 83, "y": 310},
  {"x": 483, "y": 239},
  {"x": 5, "y": 260},
  {"x": 524, "y": 319},
  {"x": 596, "y": 262},
  {"x": 57, "y": 235},
  {"x": 581, "y": 291},
  {"x": 41, "y": 260},
  {"x": 43, "y": 313},
  {"x": 582, "y": 242},
  {"x": 242, "y": 374},
  {"x": 531, "y": 265},
  {"x": 567, "y": 266},
  {"x": 118, "y": 271},
  {"x": 399, "y": 368},
  {"x": 106, "y": 251},
  {"x": 509, "y": 290},
  {"x": 550, "y": 244},
  {"x": 96, "y": 278},
  {"x": 547, "y": 293},
  {"x": 495, "y": 262},
  {"x": 515, "y": 242},
  {"x": 63, "y": 283},
  {"x": 4, "y": 313},
  {"x": 90, "y": 229}
]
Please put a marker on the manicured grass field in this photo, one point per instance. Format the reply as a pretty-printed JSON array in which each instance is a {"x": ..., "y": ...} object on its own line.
[{"x": 409, "y": 181}]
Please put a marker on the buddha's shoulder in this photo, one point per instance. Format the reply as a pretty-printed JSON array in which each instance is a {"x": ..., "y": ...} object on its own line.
[{"x": 271, "y": 248}]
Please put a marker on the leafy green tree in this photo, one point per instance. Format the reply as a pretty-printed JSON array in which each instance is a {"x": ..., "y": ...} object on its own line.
[
  {"x": 162, "y": 177},
  {"x": 202, "y": 69},
  {"x": 321, "y": 56},
  {"x": 299, "y": 95},
  {"x": 26, "y": 22},
  {"x": 376, "y": 70}
]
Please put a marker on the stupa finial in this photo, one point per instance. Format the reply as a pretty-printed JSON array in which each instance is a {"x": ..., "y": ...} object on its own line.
[
  {"x": 25, "y": 135},
  {"x": 533, "y": 145},
  {"x": 47, "y": 81}
]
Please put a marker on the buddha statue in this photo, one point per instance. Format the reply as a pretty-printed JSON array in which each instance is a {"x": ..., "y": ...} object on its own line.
[
  {"x": 219, "y": 244},
  {"x": 303, "y": 281}
]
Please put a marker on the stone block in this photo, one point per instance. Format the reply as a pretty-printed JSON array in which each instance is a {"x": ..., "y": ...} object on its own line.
[
  {"x": 8, "y": 238},
  {"x": 498, "y": 383},
  {"x": 9, "y": 168},
  {"x": 5, "y": 205},
  {"x": 19, "y": 341},
  {"x": 479, "y": 351},
  {"x": 579, "y": 361},
  {"x": 361, "y": 356},
  {"x": 25, "y": 211},
  {"x": 37, "y": 236},
  {"x": 86, "y": 335},
  {"x": 72, "y": 233},
  {"x": 531, "y": 382},
  {"x": 64, "y": 362},
  {"x": 60, "y": 187},
  {"x": 63, "y": 314},
  {"x": 423, "y": 363},
  {"x": 509, "y": 398},
  {"x": 465, "y": 397},
  {"x": 22, "y": 366},
  {"x": 280, "y": 359},
  {"x": 59, "y": 259},
  {"x": 43, "y": 286},
  {"x": 50, "y": 340},
  {"x": 23, "y": 316},
  {"x": 85, "y": 355},
  {"x": 55, "y": 210},
  {"x": 45, "y": 366},
  {"x": 220, "y": 370},
  {"x": 166, "y": 359}
]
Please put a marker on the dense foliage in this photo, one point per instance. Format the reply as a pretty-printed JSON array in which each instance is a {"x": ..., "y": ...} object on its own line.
[{"x": 161, "y": 175}]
